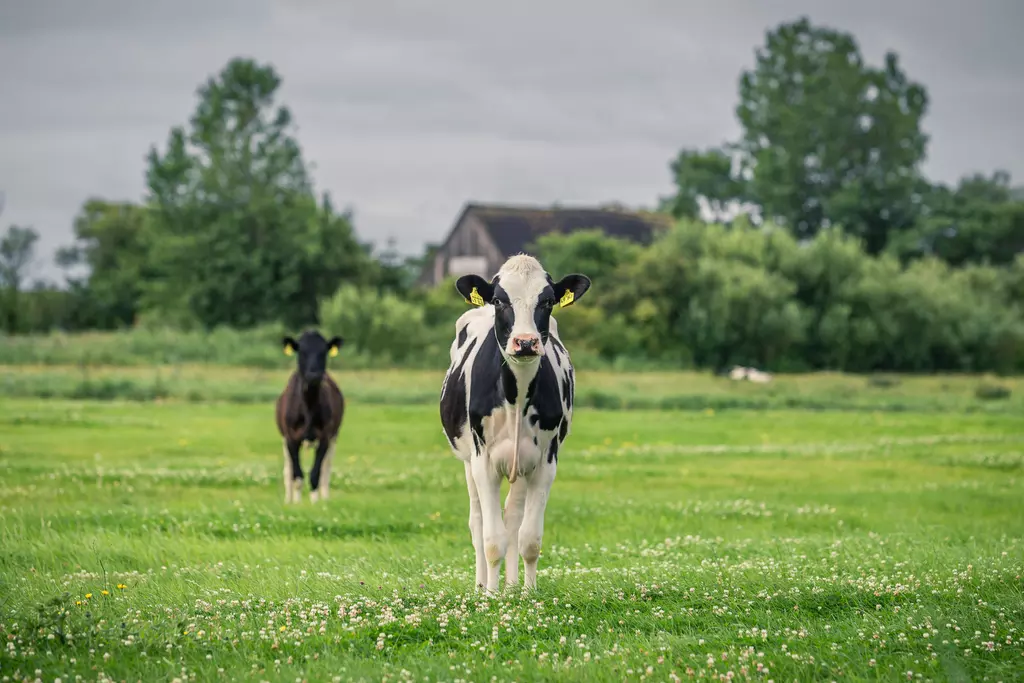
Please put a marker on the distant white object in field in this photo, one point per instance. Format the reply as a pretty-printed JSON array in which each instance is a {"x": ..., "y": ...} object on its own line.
[{"x": 750, "y": 374}]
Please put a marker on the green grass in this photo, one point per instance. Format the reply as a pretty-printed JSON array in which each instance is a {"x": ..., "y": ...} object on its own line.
[
  {"x": 597, "y": 389},
  {"x": 775, "y": 544}
]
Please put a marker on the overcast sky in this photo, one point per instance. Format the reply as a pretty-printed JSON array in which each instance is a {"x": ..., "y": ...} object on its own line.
[{"x": 409, "y": 109}]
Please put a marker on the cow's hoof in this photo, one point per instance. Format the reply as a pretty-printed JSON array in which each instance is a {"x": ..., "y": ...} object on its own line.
[{"x": 314, "y": 496}]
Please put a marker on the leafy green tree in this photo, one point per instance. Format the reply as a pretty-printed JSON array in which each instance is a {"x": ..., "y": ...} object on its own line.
[
  {"x": 393, "y": 272},
  {"x": 703, "y": 175},
  {"x": 113, "y": 241},
  {"x": 584, "y": 251},
  {"x": 17, "y": 249},
  {"x": 44, "y": 307},
  {"x": 829, "y": 140},
  {"x": 239, "y": 235},
  {"x": 980, "y": 221}
]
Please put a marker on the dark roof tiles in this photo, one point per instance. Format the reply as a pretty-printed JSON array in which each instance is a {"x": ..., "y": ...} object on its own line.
[{"x": 514, "y": 228}]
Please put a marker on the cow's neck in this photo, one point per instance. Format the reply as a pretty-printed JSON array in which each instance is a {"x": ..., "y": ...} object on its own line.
[
  {"x": 516, "y": 379},
  {"x": 311, "y": 395}
]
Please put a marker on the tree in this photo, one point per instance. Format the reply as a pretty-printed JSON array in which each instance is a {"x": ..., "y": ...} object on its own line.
[
  {"x": 17, "y": 248},
  {"x": 828, "y": 140},
  {"x": 979, "y": 221},
  {"x": 703, "y": 175},
  {"x": 587, "y": 251},
  {"x": 113, "y": 240},
  {"x": 393, "y": 272},
  {"x": 239, "y": 235}
]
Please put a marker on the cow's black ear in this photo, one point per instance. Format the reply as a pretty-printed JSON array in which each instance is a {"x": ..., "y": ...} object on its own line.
[
  {"x": 333, "y": 346},
  {"x": 571, "y": 289},
  {"x": 475, "y": 290},
  {"x": 290, "y": 346}
]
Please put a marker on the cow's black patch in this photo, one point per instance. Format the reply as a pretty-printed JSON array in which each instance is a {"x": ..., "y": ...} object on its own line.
[
  {"x": 542, "y": 312},
  {"x": 493, "y": 384},
  {"x": 553, "y": 451},
  {"x": 572, "y": 388},
  {"x": 563, "y": 429},
  {"x": 453, "y": 403},
  {"x": 463, "y": 333},
  {"x": 542, "y": 394}
]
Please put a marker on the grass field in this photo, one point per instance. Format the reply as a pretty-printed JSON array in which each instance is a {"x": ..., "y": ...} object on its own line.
[
  {"x": 147, "y": 540},
  {"x": 597, "y": 389}
]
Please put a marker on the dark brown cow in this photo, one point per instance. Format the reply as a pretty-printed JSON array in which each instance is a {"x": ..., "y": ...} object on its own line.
[{"x": 310, "y": 409}]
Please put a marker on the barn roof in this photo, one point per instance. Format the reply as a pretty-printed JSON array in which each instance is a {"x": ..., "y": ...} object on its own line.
[{"x": 513, "y": 228}]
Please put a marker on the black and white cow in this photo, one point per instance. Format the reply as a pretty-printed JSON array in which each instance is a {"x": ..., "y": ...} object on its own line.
[{"x": 506, "y": 408}]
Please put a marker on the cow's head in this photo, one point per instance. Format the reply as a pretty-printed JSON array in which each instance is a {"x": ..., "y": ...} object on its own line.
[
  {"x": 523, "y": 296},
  {"x": 312, "y": 351}
]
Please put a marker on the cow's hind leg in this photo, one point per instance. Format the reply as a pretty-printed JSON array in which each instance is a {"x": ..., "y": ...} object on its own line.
[
  {"x": 476, "y": 528},
  {"x": 325, "y": 474},
  {"x": 287, "y": 475},
  {"x": 292, "y": 471},
  {"x": 488, "y": 487},
  {"x": 515, "y": 503},
  {"x": 531, "y": 532}
]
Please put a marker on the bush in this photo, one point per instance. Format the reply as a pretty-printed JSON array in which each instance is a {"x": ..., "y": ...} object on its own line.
[
  {"x": 383, "y": 325},
  {"x": 992, "y": 392}
]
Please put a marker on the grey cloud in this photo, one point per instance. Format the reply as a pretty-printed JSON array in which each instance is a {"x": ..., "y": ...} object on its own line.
[{"x": 408, "y": 109}]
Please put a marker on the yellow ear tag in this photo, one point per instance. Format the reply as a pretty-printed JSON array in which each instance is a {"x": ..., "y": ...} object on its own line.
[
  {"x": 475, "y": 298},
  {"x": 334, "y": 351},
  {"x": 567, "y": 299},
  {"x": 288, "y": 350}
]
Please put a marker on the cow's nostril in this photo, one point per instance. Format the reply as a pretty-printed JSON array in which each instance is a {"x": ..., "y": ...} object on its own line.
[{"x": 525, "y": 345}]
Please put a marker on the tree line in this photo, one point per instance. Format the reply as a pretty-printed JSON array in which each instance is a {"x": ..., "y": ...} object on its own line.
[{"x": 812, "y": 241}]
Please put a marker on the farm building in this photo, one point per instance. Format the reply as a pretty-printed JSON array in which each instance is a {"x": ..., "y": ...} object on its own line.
[{"x": 485, "y": 235}]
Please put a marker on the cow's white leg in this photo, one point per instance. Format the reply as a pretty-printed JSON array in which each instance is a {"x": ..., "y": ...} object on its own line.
[
  {"x": 325, "y": 475},
  {"x": 476, "y": 528},
  {"x": 514, "y": 505},
  {"x": 488, "y": 487},
  {"x": 287, "y": 475},
  {"x": 531, "y": 532}
]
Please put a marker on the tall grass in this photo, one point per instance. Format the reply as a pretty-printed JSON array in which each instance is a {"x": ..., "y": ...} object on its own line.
[{"x": 679, "y": 391}]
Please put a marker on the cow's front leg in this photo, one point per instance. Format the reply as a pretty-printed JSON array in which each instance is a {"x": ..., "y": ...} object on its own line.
[
  {"x": 322, "y": 446},
  {"x": 488, "y": 486},
  {"x": 514, "y": 505},
  {"x": 292, "y": 471},
  {"x": 476, "y": 528},
  {"x": 531, "y": 533}
]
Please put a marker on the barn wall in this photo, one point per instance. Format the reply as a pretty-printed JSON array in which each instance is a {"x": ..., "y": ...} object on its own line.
[{"x": 469, "y": 238}]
